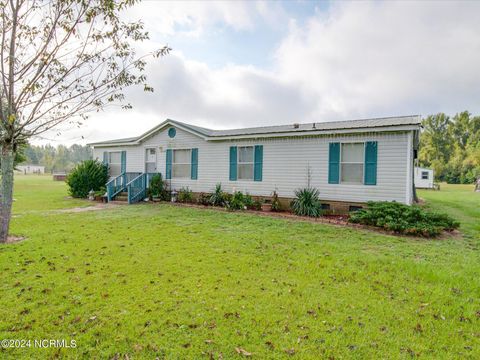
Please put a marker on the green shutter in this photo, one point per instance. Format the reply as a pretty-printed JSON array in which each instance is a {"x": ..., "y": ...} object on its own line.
[
  {"x": 257, "y": 170},
  {"x": 334, "y": 163},
  {"x": 194, "y": 171},
  {"x": 168, "y": 170},
  {"x": 124, "y": 162},
  {"x": 370, "y": 163},
  {"x": 233, "y": 163},
  {"x": 105, "y": 158}
]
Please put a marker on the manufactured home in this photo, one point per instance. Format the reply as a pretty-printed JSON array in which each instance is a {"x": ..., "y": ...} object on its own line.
[
  {"x": 349, "y": 162},
  {"x": 424, "y": 178}
]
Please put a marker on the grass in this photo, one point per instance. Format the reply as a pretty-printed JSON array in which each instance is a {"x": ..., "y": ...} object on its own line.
[{"x": 180, "y": 283}]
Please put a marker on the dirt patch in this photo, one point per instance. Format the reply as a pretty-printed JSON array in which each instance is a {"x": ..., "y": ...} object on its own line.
[
  {"x": 14, "y": 239},
  {"x": 99, "y": 206}
]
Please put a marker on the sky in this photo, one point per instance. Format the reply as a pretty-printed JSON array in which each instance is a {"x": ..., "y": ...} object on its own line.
[{"x": 238, "y": 64}]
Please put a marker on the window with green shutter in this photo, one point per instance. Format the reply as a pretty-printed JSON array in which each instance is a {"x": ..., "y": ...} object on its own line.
[
  {"x": 168, "y": 169},
  {"x": 123, "y": 164},
  {"x": 194, "y": 166},
  {"x": 233, "y": 163},
  {"x": 371, "y": 149},
  {"x": 334, "y": 163},
  {"x": 258, "y": 169}
]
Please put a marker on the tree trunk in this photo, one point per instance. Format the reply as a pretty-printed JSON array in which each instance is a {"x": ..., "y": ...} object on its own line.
[{"x": 7, "y": 158}]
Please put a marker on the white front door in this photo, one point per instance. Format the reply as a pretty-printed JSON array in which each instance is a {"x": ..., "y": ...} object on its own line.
[{"x": 151, "y": 160}]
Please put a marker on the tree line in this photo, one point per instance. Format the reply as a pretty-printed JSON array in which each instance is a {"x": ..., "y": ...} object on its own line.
[
  {"x": 451, "y": 147},
  {"x": 56, "y": 159}
]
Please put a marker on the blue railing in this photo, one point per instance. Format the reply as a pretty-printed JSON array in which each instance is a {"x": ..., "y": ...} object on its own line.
[
  {"x": 119, "y": 184},
  {"x": 137, "y": 188}
]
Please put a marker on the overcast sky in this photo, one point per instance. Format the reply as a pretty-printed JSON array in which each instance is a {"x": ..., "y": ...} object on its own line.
[{"x": 238, "y": 64}]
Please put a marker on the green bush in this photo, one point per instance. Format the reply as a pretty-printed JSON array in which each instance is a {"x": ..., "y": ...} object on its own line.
[
  {"x": 307, "y": 203},
  {"x": 86, "y": 176},
  {"x": 276, "y": 206},
  {"x": 218, "y": 198},
  {"x": 404, "y": 219},
  {"x": 158, "y": 188},
  {"x": 257, "y": 205},
  {"x": 185, "y": 195},
  {"x": 237, "y": 202},
  {"x": 101, "y": 192},
  {"x": 204, "y": 199}
]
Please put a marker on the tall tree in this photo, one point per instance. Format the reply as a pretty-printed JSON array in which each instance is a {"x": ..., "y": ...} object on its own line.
[
  {"x": 435, "y": 149},
  {"x": 452, "y": 147},
  {"x": 60, "y": 60}
]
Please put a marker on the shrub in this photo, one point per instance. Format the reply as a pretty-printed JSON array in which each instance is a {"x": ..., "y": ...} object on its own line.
[
  {"x": 185, "y": 195},
  {"x": 158, "y": 188},
  {"x": 204, "y": 199},
  {"x": 218, "y": 198},
  {"x": 248, "y": 201},
  {"x": 237, "y": 202},
  {"x": 86, "y": 176},
  {"x": 404, "y": 219},
  {"x": 101, "y": 192},
  {"x": 276, "y": 206},
  {"x": 307, "y": 203},
  {"x": 257, "y": 205}
]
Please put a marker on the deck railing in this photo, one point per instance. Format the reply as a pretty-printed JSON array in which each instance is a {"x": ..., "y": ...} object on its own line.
[
  {"x": 119, "y": 184},
  {"x": 137, "y": 187}
]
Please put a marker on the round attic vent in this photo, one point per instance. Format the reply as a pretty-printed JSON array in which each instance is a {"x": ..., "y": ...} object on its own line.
[{"x": 172, "y": 132}]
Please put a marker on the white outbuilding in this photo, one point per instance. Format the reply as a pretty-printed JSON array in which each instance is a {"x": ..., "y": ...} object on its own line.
[
  {"x": 30, "y": 169},
  {"x": 423, "y": 178}
]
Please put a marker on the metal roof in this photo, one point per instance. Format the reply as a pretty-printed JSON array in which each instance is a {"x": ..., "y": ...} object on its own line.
[
  {"x": 322, "y": 126},
  {"x": 317, "y": 127}
]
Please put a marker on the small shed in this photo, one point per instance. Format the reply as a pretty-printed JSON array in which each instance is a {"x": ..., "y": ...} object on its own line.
[{"x": 423, "y": 178}]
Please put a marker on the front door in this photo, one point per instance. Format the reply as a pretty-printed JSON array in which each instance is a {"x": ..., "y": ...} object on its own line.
[{"x": 151, "y": 160}]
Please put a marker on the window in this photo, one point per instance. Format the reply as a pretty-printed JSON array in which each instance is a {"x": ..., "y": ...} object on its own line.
[
  {"x": 115, "y": 163},
  {"x": 181, "y": 163},
  {"x": 424, "y": 175},
  {"x": 351, "y": 163},
  {"x": 245, "y": 162}
]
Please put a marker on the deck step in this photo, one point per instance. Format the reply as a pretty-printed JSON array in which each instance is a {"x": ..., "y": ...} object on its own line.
[{"x": 121, "y": 197}]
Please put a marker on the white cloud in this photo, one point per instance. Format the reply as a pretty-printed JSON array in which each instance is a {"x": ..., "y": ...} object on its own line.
[
  {"x": 364, "y": 59},
  {"x": 357, "y": 59},
  {"x": 193, "y": 17}
]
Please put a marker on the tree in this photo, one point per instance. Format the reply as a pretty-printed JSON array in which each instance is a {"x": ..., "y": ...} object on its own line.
[
  {"x": 59, "y": 61},
  {"x": 451, "y": 147}
]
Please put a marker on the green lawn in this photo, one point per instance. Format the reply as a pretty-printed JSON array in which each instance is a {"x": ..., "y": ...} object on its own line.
[{"x": 181, "y": 283}]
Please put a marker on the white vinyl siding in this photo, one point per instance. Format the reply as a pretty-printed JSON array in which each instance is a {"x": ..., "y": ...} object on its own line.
[
  {"x": 181, "y": 163},
  {"x": 352, "y": 163},
  {"x": 288, "y": 164}
]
